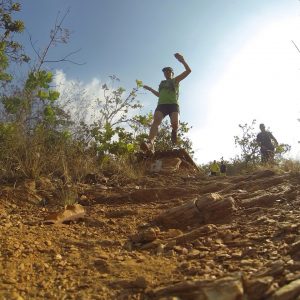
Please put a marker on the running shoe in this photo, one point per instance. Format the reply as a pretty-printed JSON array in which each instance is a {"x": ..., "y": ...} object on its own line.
[{"x": 147, "y": 147}]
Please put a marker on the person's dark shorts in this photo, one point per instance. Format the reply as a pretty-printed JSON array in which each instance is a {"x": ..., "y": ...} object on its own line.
[{"x": 167, "y": 109}]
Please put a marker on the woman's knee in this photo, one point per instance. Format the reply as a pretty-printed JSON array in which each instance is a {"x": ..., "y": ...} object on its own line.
[{"x": 174, "y": 118}]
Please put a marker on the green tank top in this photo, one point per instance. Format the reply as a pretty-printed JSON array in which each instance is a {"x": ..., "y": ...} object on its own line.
[{"x": 168, "y": 92}]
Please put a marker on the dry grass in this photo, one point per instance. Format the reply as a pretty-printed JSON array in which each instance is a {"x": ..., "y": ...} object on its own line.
[
  {"x": 123, "y": 166},
  {"x": 31, "y": 156},
  {"x": 290, "y": 165},
  {"x": 286, "y": 165},
  {"x": 39, "y": 154},
  {"x": 67, "y": 194}
]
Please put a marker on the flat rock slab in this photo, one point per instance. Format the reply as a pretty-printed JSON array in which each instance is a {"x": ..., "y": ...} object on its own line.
[{"x": 207, "y": 209}]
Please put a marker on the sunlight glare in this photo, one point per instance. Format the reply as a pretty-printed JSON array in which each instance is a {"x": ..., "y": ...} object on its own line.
[{"x": 260, "y": 82}]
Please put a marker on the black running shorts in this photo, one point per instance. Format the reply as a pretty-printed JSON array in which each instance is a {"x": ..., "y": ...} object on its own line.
[{"x": 167, "y": 109}]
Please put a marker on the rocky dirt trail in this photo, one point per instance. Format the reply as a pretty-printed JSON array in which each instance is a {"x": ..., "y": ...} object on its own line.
[{"x": 177, "y": 235}]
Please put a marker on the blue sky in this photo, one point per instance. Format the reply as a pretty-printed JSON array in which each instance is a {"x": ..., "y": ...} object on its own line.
[{"x": 244, "y": 65}]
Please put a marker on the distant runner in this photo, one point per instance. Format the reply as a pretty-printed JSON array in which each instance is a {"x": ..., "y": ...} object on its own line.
[
  {"x": 214, "y": 169},
  {"x": 265, "y": 140},
  {"x": 167, "y": 94},
  {"x": 223, "y": 168}
]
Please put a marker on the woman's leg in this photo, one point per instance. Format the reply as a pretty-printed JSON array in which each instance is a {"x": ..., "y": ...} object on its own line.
[
  {"x": 174, "y": 118},
  {"x": 157, "y": 119}
]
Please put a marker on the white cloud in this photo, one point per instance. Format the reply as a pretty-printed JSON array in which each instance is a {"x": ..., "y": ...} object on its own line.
[
  {"x": 84, "y": 100},
  {"x": 79, "y": 98}
]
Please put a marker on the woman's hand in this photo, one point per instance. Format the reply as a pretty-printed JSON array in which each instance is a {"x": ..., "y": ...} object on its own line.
[{"x": 179, "y": 57}]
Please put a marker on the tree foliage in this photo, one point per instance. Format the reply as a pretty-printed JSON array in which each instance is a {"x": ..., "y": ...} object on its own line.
[
  {"x": 10, "y": 49},
  {"x": 116, "y": 107},
  {"x": 34, "y": 103},
  {"x": 247, "y": 143}
]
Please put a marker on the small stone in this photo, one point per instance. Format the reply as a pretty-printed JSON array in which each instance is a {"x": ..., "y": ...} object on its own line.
[
  {"x": 58, "y": 257},
  {"x": 287, "y": 292},
  {"x": 46, "y": 266},
  {"x": 48, "y": 243},
  {"x": 194, "y": 253},
  {"x": 237, "y": 254},
  {"x": 160, "y": 249},
  {"x": 103, "y": 255},
  {"x": 178, "y": 249}
]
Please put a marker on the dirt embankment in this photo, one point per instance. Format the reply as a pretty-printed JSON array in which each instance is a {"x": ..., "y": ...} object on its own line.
[{"x": 160, "y": 237}]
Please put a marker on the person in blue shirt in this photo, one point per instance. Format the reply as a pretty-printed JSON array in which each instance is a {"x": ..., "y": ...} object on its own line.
[{"x": 267, "y": 143}]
